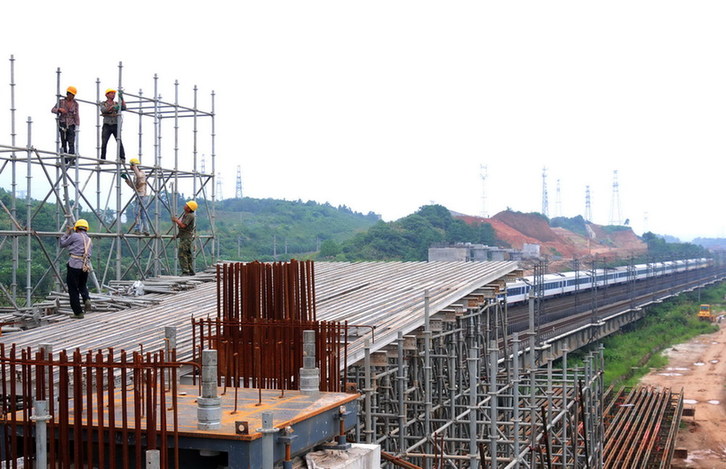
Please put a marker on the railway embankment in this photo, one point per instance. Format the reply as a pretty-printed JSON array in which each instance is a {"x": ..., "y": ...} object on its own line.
[{"x": 638, "y": 348}]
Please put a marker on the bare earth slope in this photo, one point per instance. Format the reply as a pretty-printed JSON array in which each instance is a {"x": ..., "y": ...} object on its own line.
[{"x": 517, "y": 228}]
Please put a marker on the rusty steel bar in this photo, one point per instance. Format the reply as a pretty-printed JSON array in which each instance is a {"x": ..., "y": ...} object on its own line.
[
  {"x": 283, "y": 291},
  {"x": 260, "y": 305},
  {"x": 250, "y": 355},
  {"x": 85, "y": 422}
]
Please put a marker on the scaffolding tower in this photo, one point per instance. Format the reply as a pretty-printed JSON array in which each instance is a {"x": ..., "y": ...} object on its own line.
[
  {"x": 462, "y": 393},
  {"x": 60, "y": 188}
]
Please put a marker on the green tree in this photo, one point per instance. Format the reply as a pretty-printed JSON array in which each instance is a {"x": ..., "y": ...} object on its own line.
[{"x": 329, "y": 249}]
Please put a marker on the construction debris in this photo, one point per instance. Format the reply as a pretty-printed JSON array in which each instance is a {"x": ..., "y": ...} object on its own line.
[{"x": 121, "y": 294}]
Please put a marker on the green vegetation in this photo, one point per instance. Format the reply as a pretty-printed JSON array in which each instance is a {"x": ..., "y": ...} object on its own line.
[
  {"x": 630, "y": 353},
  {"x": 269, "y": 229},
  {"x": 574, "y": 224},
  {"x": 409, "y": 238},
  {"x": 658, "y": 247}
]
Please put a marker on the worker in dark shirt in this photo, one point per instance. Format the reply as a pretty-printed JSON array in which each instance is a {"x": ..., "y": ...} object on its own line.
[{"x": 110, "y": 110}]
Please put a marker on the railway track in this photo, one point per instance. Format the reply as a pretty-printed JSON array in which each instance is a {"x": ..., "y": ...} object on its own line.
[{"x": 561, "y": 314}]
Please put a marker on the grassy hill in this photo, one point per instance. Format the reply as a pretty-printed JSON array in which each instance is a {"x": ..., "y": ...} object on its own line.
[{"x": 271, "y": 229}]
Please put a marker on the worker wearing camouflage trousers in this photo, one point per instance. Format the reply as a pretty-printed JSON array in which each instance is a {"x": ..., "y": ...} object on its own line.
[
  {"x": 186, "y": 259},
  {"x": 187, "y": 231}
]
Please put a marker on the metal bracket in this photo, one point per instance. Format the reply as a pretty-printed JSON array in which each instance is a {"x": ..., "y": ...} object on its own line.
[{"x": 242, "y": 427}]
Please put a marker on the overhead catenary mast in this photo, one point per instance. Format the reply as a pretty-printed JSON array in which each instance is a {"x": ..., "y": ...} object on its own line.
[
  {"x": 483, "y": 174},
  {"x": 545, "y": 201}
]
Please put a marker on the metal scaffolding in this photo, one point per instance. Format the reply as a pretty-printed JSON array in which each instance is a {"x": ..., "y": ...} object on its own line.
[
  {"x": 460, "y": 393},
  {"x": 60, "y": 188}
]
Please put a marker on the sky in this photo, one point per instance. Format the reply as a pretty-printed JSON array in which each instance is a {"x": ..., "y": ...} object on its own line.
[{"x": 386, "y": 106}]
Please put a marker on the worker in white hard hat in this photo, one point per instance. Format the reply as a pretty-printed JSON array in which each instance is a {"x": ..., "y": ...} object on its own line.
[
  {"x": 80, "y": 248},
  {"x": 139, "y": 186},
  {"x": 68, "y": 122}
]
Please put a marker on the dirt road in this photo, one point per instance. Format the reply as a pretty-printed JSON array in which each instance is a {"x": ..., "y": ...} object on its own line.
[{"x": 699, "y": 368}]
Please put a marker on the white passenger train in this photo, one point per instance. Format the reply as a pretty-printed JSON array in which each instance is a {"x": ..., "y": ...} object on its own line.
[{"x": 567, "y": 282}]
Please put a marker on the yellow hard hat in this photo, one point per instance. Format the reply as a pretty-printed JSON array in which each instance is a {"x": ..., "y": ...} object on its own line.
[
  {"x": 110, "y": 90},
  {"x": 134, "y": 161},
  {"x": 72, "y": 90},
  {"x": 81, "y": 223},
  {"x": 192, "y": 205}
]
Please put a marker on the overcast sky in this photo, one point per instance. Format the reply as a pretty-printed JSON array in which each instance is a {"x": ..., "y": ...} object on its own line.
[{"x": 386, "y": 106}]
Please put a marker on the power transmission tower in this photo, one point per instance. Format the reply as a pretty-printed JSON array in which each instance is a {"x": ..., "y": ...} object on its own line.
[
  {"x": 238, "y": 186},
  {"x": 615, "y": 216},
  {"x": 219, "y": 186},
  {"x": 588, "y": 206},
  {"x": 483, "y": 174},
  {"x": 645, "y": 222},
  {"x": 545, "y": 201},
  {"x": 558, "y": 201}
]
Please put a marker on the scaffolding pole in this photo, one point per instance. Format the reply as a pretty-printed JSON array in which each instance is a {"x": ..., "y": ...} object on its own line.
[
  {"x": 460, "y": 396},
  {"x": 60, "y": 188}
]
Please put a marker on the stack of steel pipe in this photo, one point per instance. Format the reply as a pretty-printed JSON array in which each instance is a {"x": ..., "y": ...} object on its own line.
[{"x": 639, "y": 428}]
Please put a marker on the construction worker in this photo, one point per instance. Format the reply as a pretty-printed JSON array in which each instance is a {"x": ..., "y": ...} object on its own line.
[
  {"x": 139, "y": 186},
  {"x": 80, "y": 247},
  {"x": 110, "y": 110},
  {"x": 68, "y": 121},
  {"x": 187, "y": 231}
]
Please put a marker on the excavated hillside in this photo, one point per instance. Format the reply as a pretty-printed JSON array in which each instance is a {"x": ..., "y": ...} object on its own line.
[{"x": 608, "y": 242}]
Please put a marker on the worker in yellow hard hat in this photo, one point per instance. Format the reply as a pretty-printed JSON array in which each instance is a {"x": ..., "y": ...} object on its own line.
[
  {"x": 110, "y": 110},
  {"x": 80, "y": 248},
  {"x": 187, "y": 231},
  {"x": 138, "y": 184},
  {"x": 68, "y": 122}
]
